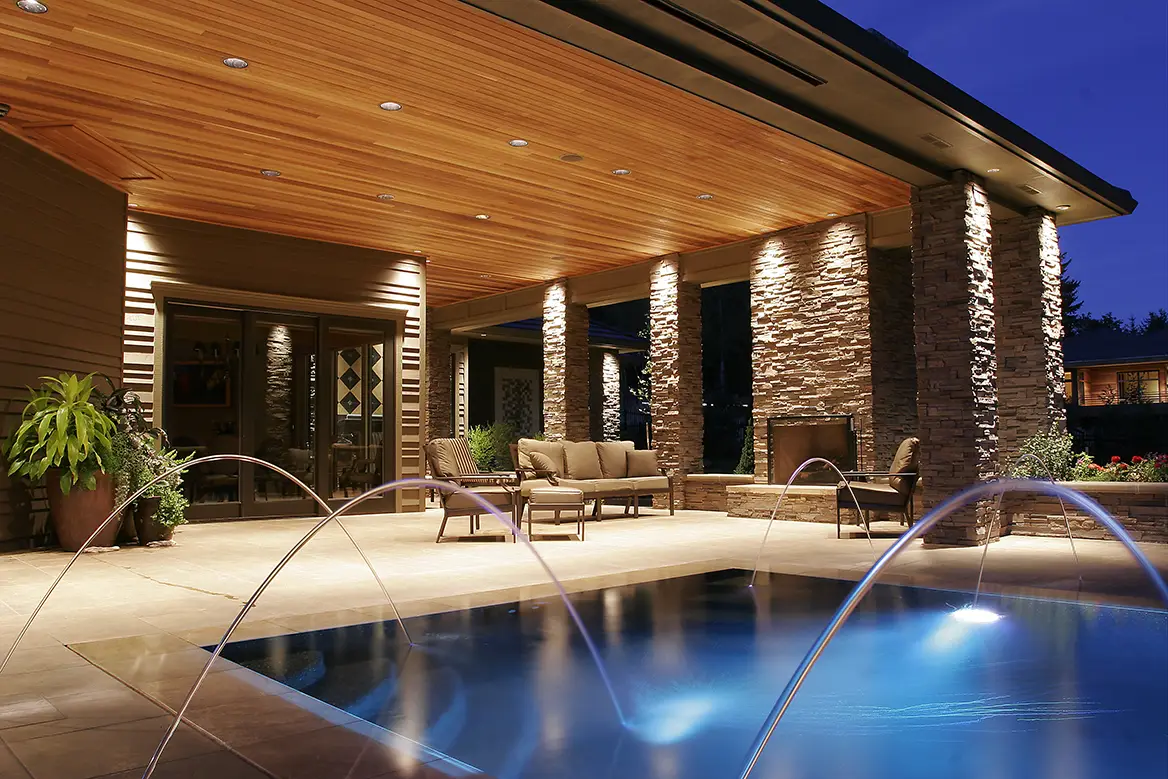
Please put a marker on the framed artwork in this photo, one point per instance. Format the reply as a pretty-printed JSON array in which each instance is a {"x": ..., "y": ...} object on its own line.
[{"x": 200, "y": 385}]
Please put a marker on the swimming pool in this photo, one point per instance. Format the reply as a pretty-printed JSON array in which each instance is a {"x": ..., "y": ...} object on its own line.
[{"x": 1052, "y": 689}]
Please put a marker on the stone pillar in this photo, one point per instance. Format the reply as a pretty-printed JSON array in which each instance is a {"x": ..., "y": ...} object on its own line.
[
  {"x": 438, "y": 423},
  {"x": 278, "y": 390},
  {"x": 1028, "y": 318},
  {"x": 611, "y": 384},
  {"x": 675, "y": 366},
  {"x": 565, "y": 366},
  {"x": 460, "y": 357},
  {"x": 956, "y": 362},
  {"x": 811, "y": 331}
]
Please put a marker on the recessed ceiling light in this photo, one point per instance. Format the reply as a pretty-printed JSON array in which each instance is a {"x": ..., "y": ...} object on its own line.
[
  {"x": 705, "y": 196},
  {"x": 484, "y": 275},
  {"x": 482, "y": 216},
  {"x": 32, "y": 6},
  {"x": 1063, "y": 207},
  {"x": 621, "y": 172},
  {"x": 571, "y": 158},
  {"x": 389, "y": 105},
  {"x": 832, "y": 215},
  {"x": 235, "y": 62},
  {"x": 417, "y": 251},
  {"x": 132, "y": 205},
  {"x": 993, "y": 170},
  {"x": 385, "y": 196},
  {"x": 270, "y": 173},
  {"x": 518, "y": 143}
]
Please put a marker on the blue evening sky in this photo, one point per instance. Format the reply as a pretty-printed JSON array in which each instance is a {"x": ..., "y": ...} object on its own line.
[{"x": 1089, "y": 77}]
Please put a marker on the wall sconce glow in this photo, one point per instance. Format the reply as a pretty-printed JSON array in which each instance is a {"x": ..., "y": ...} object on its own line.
[
  {"x": 389, "y": 105},
  {"x": 32, "y": 6},
  {"x": 973, "y": 615}
]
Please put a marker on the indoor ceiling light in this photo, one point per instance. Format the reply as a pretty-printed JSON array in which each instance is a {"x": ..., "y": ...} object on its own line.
[
  {"x": 518, "y": 143},
  {"x": 1063, "y": 207},
  {"x": 705, "y": 196},
  {"x": 385, "y": 196},
  {"x": 621, "y": 172},
  {"x": 32, "y": 6},
  {"x": 389, "y": 105},
  {"x": 270, "y": 173},
  {"x": 482, "y": 216},
  {"x": 993, "y": 170},
  {"x": 235, "y": 62}
]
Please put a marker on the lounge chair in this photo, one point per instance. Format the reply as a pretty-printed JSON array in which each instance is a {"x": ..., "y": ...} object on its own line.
[
  {"x": 890, "y": 491},
  {"x": 450, "y": 460}
]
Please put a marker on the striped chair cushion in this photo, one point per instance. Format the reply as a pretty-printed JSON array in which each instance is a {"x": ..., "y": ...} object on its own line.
[
  {"x": 451, "y": 457},
  {"x": 466, "y": 462}
]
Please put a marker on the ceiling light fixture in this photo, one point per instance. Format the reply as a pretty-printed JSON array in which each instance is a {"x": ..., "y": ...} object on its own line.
[
  {"x": 482, "y": 216},
  {"x": 389, "y": 105},
  {"x": 993, "y": 170},
  {"x": 621, "y": 172},
  {"x": 705, "y": 196},
  {"x": 385, "y": 196},
  {"x": 518, "y": 143},
  {"x": 1063, "y": 207},
  {"x": 270, "y": 173},
  {"x": 236, "y": 63},
  {"x": 132, "y": 205},
  {"x": 832, "y": 215},
  {"x": 484, "y": 275},
  {"x": 32, "y": 6},
  {"x": 417, "y": 251},
  {"x": 571, "y": 158}
]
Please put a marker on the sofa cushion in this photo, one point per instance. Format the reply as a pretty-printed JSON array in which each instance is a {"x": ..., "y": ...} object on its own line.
[
  {"x": 648, "y": 483},
  {"x": 496, "y": 496},
  {"x": 527, "y": 485},
  {"x": 542, "y": 462},
  {"x": 442, "y": 460},
  {"x": 907, "y": 460},
  {"x": 581, "y": 460},
  {"x": 614, "y": 462},
  {"x": 643, "y": 462},
  {"x": 612, "y": 487},
  {"x": 552, "y": 496},
  {"x": 553, "y": 449}
]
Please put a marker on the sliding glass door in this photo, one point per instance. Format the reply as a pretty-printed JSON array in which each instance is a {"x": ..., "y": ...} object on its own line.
[{"x": 313, "y": 394}]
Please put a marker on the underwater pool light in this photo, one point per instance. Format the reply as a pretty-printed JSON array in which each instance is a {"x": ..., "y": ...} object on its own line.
[{"x": 975, "y": 616}]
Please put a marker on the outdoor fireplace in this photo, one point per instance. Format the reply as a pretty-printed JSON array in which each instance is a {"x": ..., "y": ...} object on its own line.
[{"x": 793, "y": 439}]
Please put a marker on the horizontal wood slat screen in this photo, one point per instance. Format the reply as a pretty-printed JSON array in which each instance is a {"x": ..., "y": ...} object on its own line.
[
  {"x": 149, "y": 78},
  {"x": 62, "y": 248},
  {"x": 180, "y": 251}
]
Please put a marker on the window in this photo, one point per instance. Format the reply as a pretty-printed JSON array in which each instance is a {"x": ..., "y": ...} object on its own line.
[
  {"x": 1068, "y": 386},
  {"x": 1139, "y": 386}
]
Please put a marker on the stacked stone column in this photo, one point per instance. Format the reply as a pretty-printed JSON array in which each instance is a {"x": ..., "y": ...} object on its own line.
[
  {"x": 675, "y": 359},
  {"x": 565, "y": 366},
  {"x": 1028, "y": 312},
  {"x": 611, "y": 392},
  {"x": 955, "y": 350},
  {"x": 438, "y": 422}
]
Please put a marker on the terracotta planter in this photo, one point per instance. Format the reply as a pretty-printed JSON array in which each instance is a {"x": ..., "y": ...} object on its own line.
[
  {"x": 75, "y": 516},
  {"x": 150, "y": 529}
]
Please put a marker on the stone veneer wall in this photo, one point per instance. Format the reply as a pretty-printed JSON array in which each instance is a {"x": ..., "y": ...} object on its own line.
[
  {"x": 438, "y": 361},
  {"x": 802, "y": 503},
  {"x": 707, "y": 491},
  {"x": 894, "y": 361},
  {"x": 675, "y": 356},
  {"x": 611, "y": 393},
  {"x": 1142, "y": 508},
  {"x": 956, "y": 362},
  {"x": 565, "y": 366},
  {"x": 1028, "y": 312},
  {"x": 812, "y": 345},
  {"x": 278, "y": 387}
]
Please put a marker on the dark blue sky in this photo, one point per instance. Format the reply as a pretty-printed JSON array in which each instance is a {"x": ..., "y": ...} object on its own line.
[{"x": 1089, "y": 77}]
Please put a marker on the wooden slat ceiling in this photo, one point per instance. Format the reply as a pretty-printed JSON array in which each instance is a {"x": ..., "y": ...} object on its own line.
[{"x": 146, "y": 77}]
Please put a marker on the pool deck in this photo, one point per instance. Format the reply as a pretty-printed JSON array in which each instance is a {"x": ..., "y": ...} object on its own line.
[{"x": 95, "y": 681}]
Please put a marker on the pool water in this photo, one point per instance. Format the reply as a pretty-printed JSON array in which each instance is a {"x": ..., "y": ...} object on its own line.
[{"x": 1052, "y": 689}]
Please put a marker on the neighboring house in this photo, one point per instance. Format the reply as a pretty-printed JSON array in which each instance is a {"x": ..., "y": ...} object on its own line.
[{"x": 1117, "y": 392}]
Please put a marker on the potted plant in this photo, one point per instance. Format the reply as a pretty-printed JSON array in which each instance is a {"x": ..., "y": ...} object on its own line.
[
  {"x": 64, "y": 440},
  {"x": 163, "y": 507}
]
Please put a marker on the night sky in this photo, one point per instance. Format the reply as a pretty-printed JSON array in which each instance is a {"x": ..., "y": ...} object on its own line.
[{"x": 1089, "y": 77}]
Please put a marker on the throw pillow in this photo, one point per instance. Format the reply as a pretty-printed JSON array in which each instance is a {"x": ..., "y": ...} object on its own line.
[
  {"x": 542, "y": 462},
  {"x": 643, "y": 462},
  {"x": 581, "y": 460},
  {"x": 613, "y": 458}
]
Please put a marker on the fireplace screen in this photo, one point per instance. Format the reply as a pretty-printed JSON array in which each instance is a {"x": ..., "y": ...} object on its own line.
[{"x": 793, "y": 439}]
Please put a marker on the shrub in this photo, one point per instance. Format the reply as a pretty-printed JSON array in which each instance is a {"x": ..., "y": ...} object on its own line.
[
  {"x": 1055, "y": 448},
  {"x": 490, "y": 445},
  {"x": 1152, "y": 468},
  {"x": 746, "y": 459}
]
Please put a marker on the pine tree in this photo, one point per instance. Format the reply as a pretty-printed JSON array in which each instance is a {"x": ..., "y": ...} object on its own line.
[{"x": 1070, "y": 294}]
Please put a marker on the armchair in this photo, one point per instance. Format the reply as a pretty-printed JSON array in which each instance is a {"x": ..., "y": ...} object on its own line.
[
  {"x": 450, "y": 460},
  {"x": 892, "y": 493}
]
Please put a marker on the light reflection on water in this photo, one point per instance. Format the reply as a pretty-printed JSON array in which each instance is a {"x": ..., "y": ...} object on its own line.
[{"x": 907, "y": 690}]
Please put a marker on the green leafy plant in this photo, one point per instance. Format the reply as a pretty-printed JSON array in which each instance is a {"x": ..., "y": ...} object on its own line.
[
  {"x": 490, "y": 445},
  {"x": 1152, "y": 468},
  {"x": 746, "y": 459},
  {"x": 1055, "y": 448},
  {"x": 61, "y": 428}
]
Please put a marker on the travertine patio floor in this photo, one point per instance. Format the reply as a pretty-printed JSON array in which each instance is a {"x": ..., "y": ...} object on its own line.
[{"x": 116, "y": 648}]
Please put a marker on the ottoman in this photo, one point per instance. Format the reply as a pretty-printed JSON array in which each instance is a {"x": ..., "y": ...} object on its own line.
[{"x": 558, "y": 500}]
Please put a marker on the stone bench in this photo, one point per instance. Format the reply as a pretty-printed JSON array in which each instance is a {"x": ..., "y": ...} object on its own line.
[
  {"x": 707, "y": 491},
  {"x": 803, "y": 503}
]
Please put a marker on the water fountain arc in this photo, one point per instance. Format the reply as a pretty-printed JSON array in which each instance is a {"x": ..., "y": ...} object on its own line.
[
  {"x": 939, "y": 513},
  {"x": 117, "y": 512},
  {"x": 372, "y": 493},
  {"x": 783, "y": 494},
  {"x": 998, "y": 517}
]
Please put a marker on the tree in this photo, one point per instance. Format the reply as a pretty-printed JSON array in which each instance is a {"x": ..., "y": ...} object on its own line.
[
  {"x": 1155, "y": 322},
  {"x": 1070, "y": 294}
]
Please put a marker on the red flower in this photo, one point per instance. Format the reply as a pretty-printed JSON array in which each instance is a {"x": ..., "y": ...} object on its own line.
[
  {"x": 1122, "y": 465},
  {"x": 1136, "y": 459},
  {"x": 1116, "y": 459},
  {"x": 1097, "y": 466}
]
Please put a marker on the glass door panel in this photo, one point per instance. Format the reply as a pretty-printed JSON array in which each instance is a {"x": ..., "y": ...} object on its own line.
[
  {"x": 355, "y": 357},
  {"x": 282, "y": 410},
  {"x": 202, "y": 402}
]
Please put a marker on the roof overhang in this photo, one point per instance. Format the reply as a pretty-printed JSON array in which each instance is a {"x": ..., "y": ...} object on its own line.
[{"x": 800, "y": 66}]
